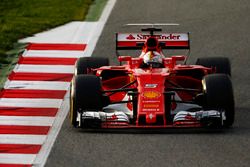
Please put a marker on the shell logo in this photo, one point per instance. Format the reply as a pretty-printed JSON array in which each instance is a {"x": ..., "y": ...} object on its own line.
[{"x": 151, "y": 94}]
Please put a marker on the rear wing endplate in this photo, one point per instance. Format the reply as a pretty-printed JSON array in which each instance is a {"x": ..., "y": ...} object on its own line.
[{"x": 132, "y": 41}]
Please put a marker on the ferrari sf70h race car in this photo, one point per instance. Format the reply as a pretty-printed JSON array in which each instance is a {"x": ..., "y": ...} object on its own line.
[{"x": 152, "y": 90}]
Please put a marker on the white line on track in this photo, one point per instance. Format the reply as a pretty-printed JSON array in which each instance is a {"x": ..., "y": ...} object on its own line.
[
  {"x": 67, "y": 69},
  {"x": 17, "y": 158},
  {"x": 22, "y": 139},
  {"x": 37, "y": 85},
  {"x": 53, "y": 53},
  {"x": 29, "y": 102},
  {"x": 26, "y": 120}
]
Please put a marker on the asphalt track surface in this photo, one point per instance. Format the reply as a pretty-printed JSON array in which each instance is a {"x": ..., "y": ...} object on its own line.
[{"x": 218, "y": 28}]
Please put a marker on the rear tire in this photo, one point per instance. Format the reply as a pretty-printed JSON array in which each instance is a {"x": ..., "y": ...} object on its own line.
[
  {"x": 219, "y": 96},
  {"x": 85, "y": 64},
  {"x": 221, "y": 64}
]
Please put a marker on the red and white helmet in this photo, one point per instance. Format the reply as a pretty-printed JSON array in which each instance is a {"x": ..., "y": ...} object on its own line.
[{"x": 152, "y": 57}]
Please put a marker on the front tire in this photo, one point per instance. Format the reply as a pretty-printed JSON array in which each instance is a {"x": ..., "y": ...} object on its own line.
[
  {"x": 219, "y": 96},
  {"x": 86, "y": 95},
  {"x": 88, "y": 92},
  {"x": 73, "y": 110}
]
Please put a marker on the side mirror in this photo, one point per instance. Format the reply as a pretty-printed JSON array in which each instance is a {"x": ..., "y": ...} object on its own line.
[
  {"x": 178, "y": 58},
  {"x": 124, "y": 58}
]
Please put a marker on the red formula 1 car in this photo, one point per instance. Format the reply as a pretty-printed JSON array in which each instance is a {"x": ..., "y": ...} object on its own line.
[{"x": 152, "y": 90}]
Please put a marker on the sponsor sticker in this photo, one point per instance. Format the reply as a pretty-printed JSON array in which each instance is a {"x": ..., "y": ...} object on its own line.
[
  {"x": 151, "y": 94},
  {"x": 160, "y": 37},
  {"x": 150, "y": 101},
  {"x": 151, "y": 85},
  {"x": 150, "y": 109},
  {"x": 151, "y": 105}
]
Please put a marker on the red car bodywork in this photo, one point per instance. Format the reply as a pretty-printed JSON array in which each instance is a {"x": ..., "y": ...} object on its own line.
[
  {"x": 152, "y": 84},
  {"x": 150, "y": 94}
]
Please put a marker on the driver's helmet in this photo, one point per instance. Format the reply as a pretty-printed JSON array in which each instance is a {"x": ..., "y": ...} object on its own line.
[{"x": 152, "y": 57}]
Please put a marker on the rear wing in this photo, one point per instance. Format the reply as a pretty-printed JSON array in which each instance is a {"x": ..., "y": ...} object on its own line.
[{"x": 132, "y": 41}]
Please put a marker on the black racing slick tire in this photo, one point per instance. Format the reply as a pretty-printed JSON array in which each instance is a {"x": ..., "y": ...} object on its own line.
[
  {"x": 86, "y": 95},
  {"x": 221, "y": 64},
  {"x": 85, "y": 64},
  {"x": 73, "y": 109},
  {"x": 218, "y": 95}
]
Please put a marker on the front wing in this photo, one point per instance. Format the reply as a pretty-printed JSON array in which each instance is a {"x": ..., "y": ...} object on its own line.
[{"x": 119, "y": 119}]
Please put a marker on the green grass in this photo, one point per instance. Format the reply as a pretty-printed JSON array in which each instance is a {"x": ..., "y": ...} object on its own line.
[
  {"x": 95, "y": 10},
  {"x": 12, "y": 60},
  {"x": 22, "y": 18}
]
